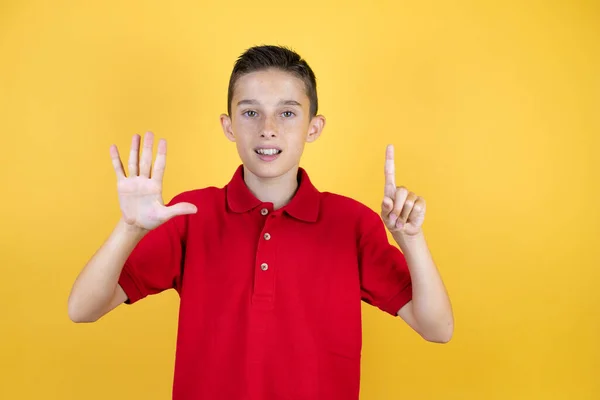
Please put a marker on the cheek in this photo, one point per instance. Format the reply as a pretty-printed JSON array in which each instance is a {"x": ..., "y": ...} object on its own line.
[
  {"x": 296, "y": 128},
  {"x": 244, "y": 130}
]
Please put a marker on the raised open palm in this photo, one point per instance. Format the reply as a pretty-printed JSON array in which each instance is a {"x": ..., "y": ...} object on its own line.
[{"x": 140, "y": 193}]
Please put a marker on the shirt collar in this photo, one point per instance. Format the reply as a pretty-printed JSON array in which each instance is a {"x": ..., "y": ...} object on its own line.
[{"x": 303, "y": 206}]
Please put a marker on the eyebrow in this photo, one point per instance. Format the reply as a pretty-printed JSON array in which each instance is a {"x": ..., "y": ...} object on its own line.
[{"x": 281, "y": 103}]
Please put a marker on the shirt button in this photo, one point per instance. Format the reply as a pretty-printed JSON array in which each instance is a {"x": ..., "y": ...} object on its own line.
[
  {"x": 267, "y": 236},
  {"x": 264, "y": 211},
  {"x": 264, "y": 266}
]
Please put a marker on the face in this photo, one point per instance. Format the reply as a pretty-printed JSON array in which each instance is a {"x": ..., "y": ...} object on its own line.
[{"x": 270, "y": 122}]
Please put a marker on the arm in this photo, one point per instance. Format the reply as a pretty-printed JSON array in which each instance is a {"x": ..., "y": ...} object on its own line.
[
  {"x": 429, "y": 312},
  {"x": 96, "y": 290}
]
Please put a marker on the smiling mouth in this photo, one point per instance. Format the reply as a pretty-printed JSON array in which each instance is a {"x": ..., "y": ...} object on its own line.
[{"x": 267, "y": 152}]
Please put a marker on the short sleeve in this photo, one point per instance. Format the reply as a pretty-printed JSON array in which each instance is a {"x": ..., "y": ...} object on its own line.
[
  {"x": 384, "y": 275},
  {"x": 156, "y": 263}
]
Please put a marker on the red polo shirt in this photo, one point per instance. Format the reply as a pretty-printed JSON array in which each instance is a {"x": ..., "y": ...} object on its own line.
[{"x": 270, "y": 299}]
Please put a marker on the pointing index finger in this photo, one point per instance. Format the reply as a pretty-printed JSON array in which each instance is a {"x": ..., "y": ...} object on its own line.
[{"x": 390, "y": 171}]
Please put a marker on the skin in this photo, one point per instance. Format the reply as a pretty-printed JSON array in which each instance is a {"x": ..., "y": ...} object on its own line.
[
  {"x": 270, "y": 108},
  {"x": 429, "y": 313}
]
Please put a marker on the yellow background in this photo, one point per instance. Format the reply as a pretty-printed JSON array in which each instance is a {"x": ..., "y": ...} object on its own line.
[{"x": 494, "y": 110}]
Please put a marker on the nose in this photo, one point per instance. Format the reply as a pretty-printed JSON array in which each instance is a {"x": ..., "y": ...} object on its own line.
[{"x": 269, "y": 128}]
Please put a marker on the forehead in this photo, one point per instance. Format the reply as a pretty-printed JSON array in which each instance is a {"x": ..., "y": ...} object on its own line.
[{"x": 270, "y": 84}]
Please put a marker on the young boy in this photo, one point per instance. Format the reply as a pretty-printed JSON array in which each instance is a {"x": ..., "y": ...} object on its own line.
[{"x": 270, "y": 271}]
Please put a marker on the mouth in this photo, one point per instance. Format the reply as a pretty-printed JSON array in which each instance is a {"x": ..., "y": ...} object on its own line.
[
  {"x": 273, "y": 151},
  {"x": 268, "y": 153}
]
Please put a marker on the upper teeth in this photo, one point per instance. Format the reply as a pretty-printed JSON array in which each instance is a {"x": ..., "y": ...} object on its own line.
[{"x": 267, "y": 152}]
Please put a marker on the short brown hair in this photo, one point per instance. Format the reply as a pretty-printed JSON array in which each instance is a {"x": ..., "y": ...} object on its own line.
[{"x": 263, "y": 57}]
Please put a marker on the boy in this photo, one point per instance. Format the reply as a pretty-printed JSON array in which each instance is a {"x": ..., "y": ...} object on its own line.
[{"x": 270, "y": 271}]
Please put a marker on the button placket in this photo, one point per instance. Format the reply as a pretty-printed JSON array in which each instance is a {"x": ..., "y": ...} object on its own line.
[{"x": 264, "y": 276}]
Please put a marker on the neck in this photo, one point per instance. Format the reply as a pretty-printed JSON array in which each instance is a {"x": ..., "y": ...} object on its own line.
[{"x": 278, "y": 190}]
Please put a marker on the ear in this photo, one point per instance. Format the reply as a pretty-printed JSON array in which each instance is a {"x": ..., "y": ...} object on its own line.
[
  {"x": 226, "y": 125},
  {"x": 317, "y": 124}
]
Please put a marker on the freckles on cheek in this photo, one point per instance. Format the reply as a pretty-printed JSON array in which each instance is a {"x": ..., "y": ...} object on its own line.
[
  {"x": 239, "y": 127},
  {"x": 247, "y": 124}
]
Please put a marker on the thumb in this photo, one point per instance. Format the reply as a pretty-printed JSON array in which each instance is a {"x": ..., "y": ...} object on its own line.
[{"x": 180, "y": 209}]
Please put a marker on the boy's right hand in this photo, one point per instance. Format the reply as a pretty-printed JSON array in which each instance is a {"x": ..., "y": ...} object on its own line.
[{"x": 140, "y": 194}]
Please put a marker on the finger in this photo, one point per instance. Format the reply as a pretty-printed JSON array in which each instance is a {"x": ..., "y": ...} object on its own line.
[
  {"x": 116, "y": 162},
  {"x": 179, "y": 209},
  {"x": 408, "y": 206},
  {"x": 158, "y": 170},
  {"x": 390, "y": 172},
  {"x": 386, "y": 207},
  {"x": 401, "y": 196},
  {"x": 146, "y": 158},
  {"x": 418, "y": 211},
  {"x": 132, "y": 164}
]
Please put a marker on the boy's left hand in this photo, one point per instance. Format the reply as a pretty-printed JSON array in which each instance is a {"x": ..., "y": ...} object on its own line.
[{"x": 402, "y": 211}]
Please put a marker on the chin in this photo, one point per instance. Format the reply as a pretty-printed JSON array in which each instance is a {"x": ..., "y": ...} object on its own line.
[{"x": 267, "y": 170}]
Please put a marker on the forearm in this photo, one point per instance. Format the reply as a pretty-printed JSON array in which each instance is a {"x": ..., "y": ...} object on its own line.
[
  {"x": 96, "y": 284},
  {"x": 431, "y": 307}
]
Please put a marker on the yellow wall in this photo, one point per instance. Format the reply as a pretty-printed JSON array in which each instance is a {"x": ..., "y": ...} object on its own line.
[{"x": 493, "y": 109}]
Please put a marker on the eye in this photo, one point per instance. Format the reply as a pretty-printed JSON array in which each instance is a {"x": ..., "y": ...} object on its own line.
[
  {"x": 250, "y": 113},
  {"x": 287, "y": 114}
]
